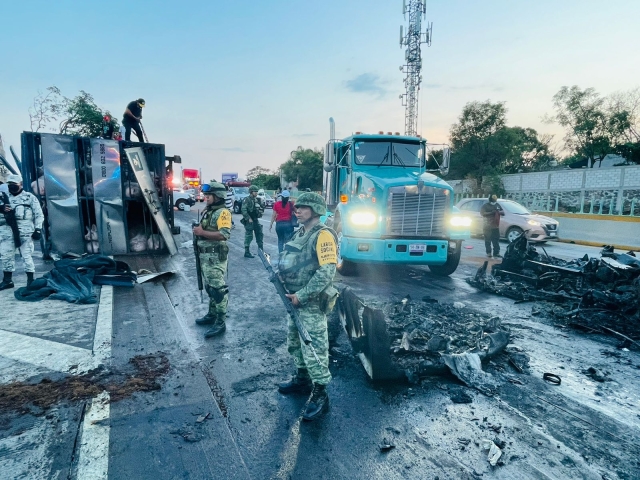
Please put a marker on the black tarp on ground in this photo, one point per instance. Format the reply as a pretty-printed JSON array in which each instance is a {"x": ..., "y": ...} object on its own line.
[{"x": 72, "y": 280}]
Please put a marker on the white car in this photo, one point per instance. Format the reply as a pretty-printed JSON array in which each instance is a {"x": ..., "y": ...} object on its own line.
[{"x": 182, "y": 198}]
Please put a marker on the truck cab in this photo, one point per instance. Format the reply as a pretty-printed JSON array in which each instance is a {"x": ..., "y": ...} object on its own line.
[{"x": 388, "y": 207}]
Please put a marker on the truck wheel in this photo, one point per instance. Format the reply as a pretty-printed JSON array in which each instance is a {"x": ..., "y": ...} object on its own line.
[
  {"x": 344, "y": 267},
  {"x": 450, "y": 265},
  {"x": 513, "y": 233},
  {"x": 180, "y": 204}
]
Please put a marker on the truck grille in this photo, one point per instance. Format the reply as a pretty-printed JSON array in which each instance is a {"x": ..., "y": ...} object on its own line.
[{"x": 418, "y": 214}]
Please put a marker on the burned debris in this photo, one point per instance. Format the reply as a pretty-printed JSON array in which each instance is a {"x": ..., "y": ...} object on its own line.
[{"x": 594, "y": 294}]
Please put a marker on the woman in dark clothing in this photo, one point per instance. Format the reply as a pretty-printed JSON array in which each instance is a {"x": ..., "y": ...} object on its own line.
[{"x": 283, "y": 216}]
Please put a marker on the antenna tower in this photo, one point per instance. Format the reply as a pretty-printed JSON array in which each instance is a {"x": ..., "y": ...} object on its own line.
[{"x": 414, "y": 37}]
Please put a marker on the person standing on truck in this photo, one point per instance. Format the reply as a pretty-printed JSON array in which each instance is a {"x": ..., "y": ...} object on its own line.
[
  {"x": 21, "y": 220},
  {"x": 307, "y": 267},
  {"x": 490, "y": 213},
  {"x": 213, "y": 232},
  {"x": 131, "y": 119},
  {"x": 283, "y": 216},
  {"x": 252, "y": 210}
]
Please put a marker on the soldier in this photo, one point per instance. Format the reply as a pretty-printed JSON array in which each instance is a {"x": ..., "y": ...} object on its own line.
[
  {"x": 20, "y": 224},
  {"x": 307, "y": 267},
  {"x": 252, "y": 210},
  {"x": 213, "y": 232}
]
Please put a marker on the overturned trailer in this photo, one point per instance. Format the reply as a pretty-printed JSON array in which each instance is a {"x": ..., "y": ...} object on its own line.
[{"x": 100, "y": 195}]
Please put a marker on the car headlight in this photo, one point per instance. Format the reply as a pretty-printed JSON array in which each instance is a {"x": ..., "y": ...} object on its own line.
[
  {"x": 533, "y": 222},
  {"x": 460, "y": 221},
  {"x": 362, "y": 218}
]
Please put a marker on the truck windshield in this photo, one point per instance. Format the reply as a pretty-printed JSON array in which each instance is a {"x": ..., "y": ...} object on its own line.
[
  {"x": 241, "y": 190},
  {"x": 389, "y": 154}
]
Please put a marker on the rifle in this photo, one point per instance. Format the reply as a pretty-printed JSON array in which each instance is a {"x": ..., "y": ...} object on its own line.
[
  {"x": 291, "y": 310},
  {"x": 10, "y": 217},
  {"x": 198, "y": 266}
]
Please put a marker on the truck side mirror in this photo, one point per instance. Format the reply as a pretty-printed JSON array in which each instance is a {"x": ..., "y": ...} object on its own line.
[{"x": 446, "y": 159}]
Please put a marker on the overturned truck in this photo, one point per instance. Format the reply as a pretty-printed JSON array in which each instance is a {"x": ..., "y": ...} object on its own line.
[{"x": 100, "y": 195}]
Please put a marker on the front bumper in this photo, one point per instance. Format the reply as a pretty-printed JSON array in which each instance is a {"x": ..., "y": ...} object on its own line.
[
  {"x": 394, "y": 251},
  {"x": 540, "y": 234}
]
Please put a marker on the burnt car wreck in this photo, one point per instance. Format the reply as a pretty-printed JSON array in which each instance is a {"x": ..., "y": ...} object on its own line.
[{"x": 593, "y": 294}]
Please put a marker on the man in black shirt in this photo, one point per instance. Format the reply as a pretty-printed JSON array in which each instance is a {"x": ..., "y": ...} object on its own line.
[{"x": 131, "y": 119}]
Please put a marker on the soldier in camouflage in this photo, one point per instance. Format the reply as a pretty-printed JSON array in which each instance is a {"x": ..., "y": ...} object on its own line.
[
  {"x": 307, "y": 267},
  {"x": 213, "y": 232},
  {"x": 252, "y": 210},
  {"x": 29, "y": 218}
]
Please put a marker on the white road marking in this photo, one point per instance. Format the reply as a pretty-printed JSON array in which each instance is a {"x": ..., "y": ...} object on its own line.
[
  {"x": 102, "y": 337},
  {"x": 93, "y": 461}
]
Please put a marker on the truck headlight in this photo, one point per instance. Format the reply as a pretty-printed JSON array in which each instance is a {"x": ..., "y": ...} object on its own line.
[
  {"x": 533, "y": 222},
  {"x": 362, "y": 218},
  {"x": 460, "y": 221}
]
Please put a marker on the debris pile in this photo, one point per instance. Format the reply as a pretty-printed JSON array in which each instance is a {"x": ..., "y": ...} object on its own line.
[
  {"x": 597, "y": 294},
  {"x": 430, "y": 338}
]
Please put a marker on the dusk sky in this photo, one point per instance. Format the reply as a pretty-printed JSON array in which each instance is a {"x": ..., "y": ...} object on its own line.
[{"x": 231, "y": 85}]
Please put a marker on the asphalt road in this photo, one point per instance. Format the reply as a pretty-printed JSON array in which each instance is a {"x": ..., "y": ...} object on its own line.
[{"x": 218, "y": 413}]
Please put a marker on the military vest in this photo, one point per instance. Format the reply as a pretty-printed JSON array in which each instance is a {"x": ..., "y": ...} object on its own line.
[
  {"x": 299, "y": 260},
  {"x": 211, "y": 219}
]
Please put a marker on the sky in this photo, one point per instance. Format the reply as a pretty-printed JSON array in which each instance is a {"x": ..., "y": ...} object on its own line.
[{"x": 238, "y": 84}]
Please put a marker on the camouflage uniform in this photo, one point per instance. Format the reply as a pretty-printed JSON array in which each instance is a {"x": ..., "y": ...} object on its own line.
[
  {"x": 301, "y": 271},
  {"x": 213, "y": 259},
  {"x": 252, "y": 209},
  {"x": 29, "y": 217}
]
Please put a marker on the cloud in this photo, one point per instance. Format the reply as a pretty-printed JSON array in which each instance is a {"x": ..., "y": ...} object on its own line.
[
  {"x": 366, "y": 83},
  {"x": 232, "y": 149}
]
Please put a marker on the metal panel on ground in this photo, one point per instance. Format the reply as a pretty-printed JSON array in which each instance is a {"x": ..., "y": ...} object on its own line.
[
  {"x": 58, "y": 156},
  {"x": 107, "y": 192},
  {"x": 140, "y": 168}
]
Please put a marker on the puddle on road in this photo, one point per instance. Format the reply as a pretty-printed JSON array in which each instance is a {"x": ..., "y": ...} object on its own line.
[{"x": 141, "y": 375}]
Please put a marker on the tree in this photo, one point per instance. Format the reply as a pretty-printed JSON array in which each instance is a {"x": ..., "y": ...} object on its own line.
[
  {"x": 78, "y": 116},
  {"x": 264, "y": 178},
  {"x": 482, "y": 144},
  {"x": 304, "y": 167}
]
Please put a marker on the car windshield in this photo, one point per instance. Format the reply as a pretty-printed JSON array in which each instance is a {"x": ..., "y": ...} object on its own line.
[
  {"x": 389, "y": 154},
  {"x": 241, "y": 190},
  {"x": 513, "y": 207}
]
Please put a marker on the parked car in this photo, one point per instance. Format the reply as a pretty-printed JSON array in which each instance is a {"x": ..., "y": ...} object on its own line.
[
  {"x": 267, "y": 200},
  {"x": 516, "y": 220},
  {"x": 182, "y": 198},
  {"x": 239, "y": 194}
]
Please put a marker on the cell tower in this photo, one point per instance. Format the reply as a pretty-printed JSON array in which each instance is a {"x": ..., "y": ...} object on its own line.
[{"x": 414, "y": 37}]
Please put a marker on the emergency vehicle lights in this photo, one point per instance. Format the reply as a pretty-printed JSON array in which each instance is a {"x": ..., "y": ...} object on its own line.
[
  {"x": 362, "y": 218},
  {"x": 460, "y": 221}
]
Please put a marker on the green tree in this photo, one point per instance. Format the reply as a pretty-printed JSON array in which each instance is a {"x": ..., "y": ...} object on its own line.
[
  {"x": 482, "y": 144},
  {"x": 76, "y": 116},
  {"x": 304, "y": 167},
  {"x": 264, "y": 178}
]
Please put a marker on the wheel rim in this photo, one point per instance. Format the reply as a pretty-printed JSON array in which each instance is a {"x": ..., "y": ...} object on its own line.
[{"x": 513, "y": 235}]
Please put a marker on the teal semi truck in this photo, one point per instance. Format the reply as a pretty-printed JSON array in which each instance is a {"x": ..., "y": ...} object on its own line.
[{"x": 388, "y": 208}]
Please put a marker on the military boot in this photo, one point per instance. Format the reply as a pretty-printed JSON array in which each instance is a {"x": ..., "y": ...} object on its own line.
[
  {"x": 300, "y": 383},
  {"x": 29, "y": 278},
  {"x": 318, "y": 402},
  {"x": 7, "y": 282},
  {"x": 208, "y": 319},
  {"x": 247, "y": 253},
  {"x": 218, "y": 328}
]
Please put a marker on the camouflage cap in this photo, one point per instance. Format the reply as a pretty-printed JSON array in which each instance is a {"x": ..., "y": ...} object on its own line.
[
  {"x": 314, "y": 201},
  {"x": 253, "y": 188},
  {"x": 214, "y": 188}
]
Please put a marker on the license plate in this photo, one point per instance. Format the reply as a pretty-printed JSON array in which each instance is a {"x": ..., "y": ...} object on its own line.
[
  {"x": 417, "y": 247},
  {"x": 552, "y": 234}
]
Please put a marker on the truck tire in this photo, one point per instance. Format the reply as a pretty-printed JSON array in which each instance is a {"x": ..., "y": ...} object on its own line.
[{"x": 450, "y": 265}]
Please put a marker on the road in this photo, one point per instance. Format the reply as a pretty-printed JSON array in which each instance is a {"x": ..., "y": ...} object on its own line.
[{"x": 580, "y": 429}]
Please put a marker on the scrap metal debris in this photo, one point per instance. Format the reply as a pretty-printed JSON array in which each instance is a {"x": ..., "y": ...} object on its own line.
[
  {"x": 596, "y": 294},
  {"x": 494, "y": 451},
  {"x": 431, "y": 338}
]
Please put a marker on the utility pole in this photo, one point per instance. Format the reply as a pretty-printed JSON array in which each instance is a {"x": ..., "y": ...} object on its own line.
[{"x": 413, "y": 38}]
